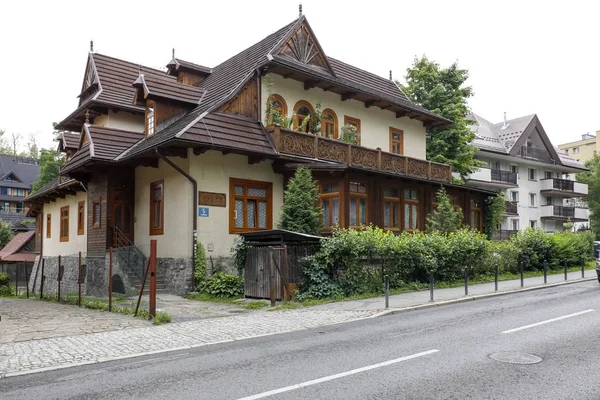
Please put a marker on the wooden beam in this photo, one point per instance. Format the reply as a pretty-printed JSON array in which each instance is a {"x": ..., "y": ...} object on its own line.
[
  {"x": 310, "y": 84},
  {"x": 225, "y": 152},
  {"x": 400, "y": 114},
  {"x": 412, "y": 114},
  {"x": 255, "y": 159},
  {"x": 176, "y": 152},
  {"x": 328, "y": 88},
  {"x": 348, "y": 95},
  {"x": 386, "y": 107},
  {"x": 199, "y": 150},
  {"x": 286, "y": 76},
  {"x": 370, "y": 103}
]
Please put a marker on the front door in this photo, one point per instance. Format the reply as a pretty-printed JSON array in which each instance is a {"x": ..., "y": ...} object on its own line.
[{"x": 123, "y": 218}]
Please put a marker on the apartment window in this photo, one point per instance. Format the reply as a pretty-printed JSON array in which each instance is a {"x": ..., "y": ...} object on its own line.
[
  {"x": 64, "y": 224},
  {"x": 533, "y": 224},
  {"x": 476, "y": 220},
  {"x": 514, "y": 169},
  {"x": 515, "y": 224},
  {"x": 548, "y": 175},
  {"x": 157, "y": 208},
  {"x": 532, "y": 174},
  {"x": 81, "y": 218},
  {"x": 329, "y": 124},
  {"x": 532, "y": 200},
  {"x": 396, "y": 141},
  {"x": 303, "y": 109},
  {"x": 358, "y": 204},
  {"x": 354, "y": 122},
  {"x": 496, "y": 165},
  {"x": 96, "y": 214},
  {"x": 514, "y": 196},
  {"x": 411, "y": 210},
  {"x": 251, "y": 204},
  {"x": 330, "y": 201},
  {"x": 277, "y": 103},
  {"x": 548, "y": 200},
  {"x": 48, "y": 225},
  {"x": 150, "y": 121},
  {"x": 575, "y": 150},
  {"x": 391, "y": 208}
]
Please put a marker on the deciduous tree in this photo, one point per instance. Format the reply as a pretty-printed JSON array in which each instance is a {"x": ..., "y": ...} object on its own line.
[{"x": 51, "y": 161}]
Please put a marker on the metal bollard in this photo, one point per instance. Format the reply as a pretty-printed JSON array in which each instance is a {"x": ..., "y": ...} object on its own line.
[
  {"x": 387, "y": 292},
  {"x": 496, "y": 278},
  {"x": 565, "y": 266},
  {"x": 582, "y": 267},
  {"x": 466, "y": 281},
  {"x": 522, "y": 280},
  {"x": 545, "y": 271},
  {"x": 431, "y": 286}
]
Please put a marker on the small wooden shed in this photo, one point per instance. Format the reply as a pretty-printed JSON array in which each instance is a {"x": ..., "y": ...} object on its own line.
[{"x": 272, "y": 256}]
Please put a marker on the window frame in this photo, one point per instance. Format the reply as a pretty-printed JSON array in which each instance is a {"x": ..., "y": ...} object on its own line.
[
  {"x": 532, "y": 196},
  {"x": 299, "y": 104},
  {"x": 358, "y": 196},
  {"x": 416, "y": 202},
  {"x": 48, "y": 226},
  {"x": 64, "y": 224},
  {"x": 529, "y": 170},
  {"x": 81, "y": 218},
  {"x": 348, "y": 120},
  {"x": 150, "y": 104},
  {"x": 329, "y": 111},
  {"x": 283, "y": 110},
  {"x": 476, "y": 211},
  {"x": 399, "y": 142},
  {"x": 96, "y": 215},
  {"x": 233, "y": 182},
  {"x": 329, "y": 197},
  {"x": 161, "y": 229},
  {"x": 533, "y": 224},
  {"x": 514, "y": 222},
  {"x": 392, "y": 200}
]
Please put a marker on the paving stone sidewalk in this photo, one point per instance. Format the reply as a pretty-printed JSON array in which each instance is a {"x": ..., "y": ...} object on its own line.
[{"x": 48, "y": 354}]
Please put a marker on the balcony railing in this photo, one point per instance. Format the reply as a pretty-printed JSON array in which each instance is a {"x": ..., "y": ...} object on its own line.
[
  {"x": 562, "y": 211},
  {"x": 535, "y": 154},
  {"x": 563, "y": 185},
  {"x": 504, "y": 176},
  {"x": 314, "y": 146},
  {"x": 504, "y": 234},
  {"x": 512, "y": 207}
]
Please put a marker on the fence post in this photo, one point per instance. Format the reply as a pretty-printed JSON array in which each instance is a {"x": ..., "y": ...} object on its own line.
[
  {"x": 431, "y": 286},
  {"x": 466, "y": 281},
  {"x": 522, "y": 267},
  {"x": 79, "y": 282},
  {"x": 110, "y": 260},
  {"x": 42, "y": 280},
  {"x": 387, "y": 292},
  {"x": 565, "y": 267},
  {"x": 27, "y": 277},
  {"x": 152, "y": 300},
  {"x": 582, "y": 267},
  {"x": 496, "y": 277},
  {"x": 545, "y": 271},
  {"x": 17, "y": 279},
  {"x": 59, "y": 278}
]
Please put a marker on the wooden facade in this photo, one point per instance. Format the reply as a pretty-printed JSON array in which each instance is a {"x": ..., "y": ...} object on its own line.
[{"x": 245, "y": 103}]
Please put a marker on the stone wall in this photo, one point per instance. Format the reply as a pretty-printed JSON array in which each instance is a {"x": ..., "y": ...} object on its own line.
[
  {"x": 70, "y": 275},
  {"x": 178, "y": 274}
]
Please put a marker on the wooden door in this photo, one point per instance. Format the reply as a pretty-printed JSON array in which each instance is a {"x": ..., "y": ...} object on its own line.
[{"x": 123, "y": 214}]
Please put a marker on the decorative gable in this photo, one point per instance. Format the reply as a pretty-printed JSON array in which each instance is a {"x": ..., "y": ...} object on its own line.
[
  {"x": 303, "y": 46},
  {"x": 91, "y": 82},
  {"x": 11, "y": 177}
]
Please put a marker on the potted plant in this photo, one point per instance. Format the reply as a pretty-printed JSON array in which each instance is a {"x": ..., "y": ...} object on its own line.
[{"x": 349, "y": 134}]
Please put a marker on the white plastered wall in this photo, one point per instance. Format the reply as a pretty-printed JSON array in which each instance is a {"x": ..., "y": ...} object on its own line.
[
  {"x": 375, "y": 122},
  {"x": 121, "y": 120},
  {"x": 52, "y": 246}
]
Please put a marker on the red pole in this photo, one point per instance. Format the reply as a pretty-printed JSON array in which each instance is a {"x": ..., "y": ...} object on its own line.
[
  {"x": 43, "y": 277},
  {"x": 152, "y": 300},
  {"x": 79, "y": 281},
  {"x": 27, "y": 277},
  {"x": 17, "y": 279},
  {"x": 110, "y": 282},
  {"x": 59, "y": 279}
]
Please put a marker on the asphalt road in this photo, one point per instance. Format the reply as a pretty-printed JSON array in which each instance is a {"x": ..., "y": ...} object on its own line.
[{"x": 439, "y": 353}]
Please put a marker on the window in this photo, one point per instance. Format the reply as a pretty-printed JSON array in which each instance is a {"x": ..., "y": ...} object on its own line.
[
  {"x": 329, "y": 124},
  {"x": 514, "y": 196},
  {"x": 81, "y": 218},
  {"x": 575, "y": 150},
  {"x": 330, "y": 201},
  {"x": 411, "y": 210},
  {"x": 250, "y": 206},
  {"x": 277, "y": 103},
  {"x": 533, "y": 224},
  {"x": 96, "y": 214},
  {"x": 48, "y": 225},
  {"x": 157, "y": 208},
  {"x": 358, "y": 204},
  {"x": 515, "y": 224},
  {"x": 476, "y": 220},
  {"x": 64, "y": 224},
  {"x": 548, "y": 200},
  {"x": 532, "y": 174},
  {"x": 532, "y": 202},
  {"x": 396, "y": 141},
  {"x": 150, "y": 121},
  {"x": 391, "y": 208},
  {"x": 356, "y": 123},
  {"x": 302, "y": 109},
  {"x": 548, "y": 175}
]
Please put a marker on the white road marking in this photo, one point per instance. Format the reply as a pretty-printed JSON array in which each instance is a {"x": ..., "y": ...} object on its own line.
[
  {"x": 548, "y": 321},
  {"x": 336, "y": 376}
]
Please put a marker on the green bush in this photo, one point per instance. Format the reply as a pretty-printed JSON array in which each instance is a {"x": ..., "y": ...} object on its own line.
[
  {"x": 534, "y": 246},
  {"x": 505, "y": 254},
  {"x": 238, "y": 253},
  {"x": 4, "y": 279},
  {"x": 199, "y": 266},
  {"x": 316, "y": 282},
  {"x": 223, "y": 285},
  {"x": 572, "y": 247},
  {"x": 6, "y": 291}
]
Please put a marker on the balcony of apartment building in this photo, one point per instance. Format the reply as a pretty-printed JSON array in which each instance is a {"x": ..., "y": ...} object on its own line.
[
  {"x": 563, "y": 187},
  {"x": 511, "y": 208},
  {"x": 493, "y": 178},
  {"x": 532, "y": 153},
  {"x": 504, "y": 234},
  {"x": 576, "y": 213}
]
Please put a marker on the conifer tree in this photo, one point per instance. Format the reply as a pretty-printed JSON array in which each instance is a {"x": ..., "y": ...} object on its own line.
[
  {"x": 444, "y": 218},
  {"x": 301, "y": 211}
]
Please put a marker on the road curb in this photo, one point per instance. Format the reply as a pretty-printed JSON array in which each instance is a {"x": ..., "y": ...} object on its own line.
[{"x": 425, "y": 306}]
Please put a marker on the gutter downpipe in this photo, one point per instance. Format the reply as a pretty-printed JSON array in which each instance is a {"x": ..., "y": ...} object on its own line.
[{"x": 195, "y": 202}]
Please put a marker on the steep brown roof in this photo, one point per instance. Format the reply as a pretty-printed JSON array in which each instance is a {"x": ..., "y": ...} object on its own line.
[
  {"x": 178, "y": 63},
  {"x": 167, "y": 87},
  {"x": 70, "y": 140},
  {"x": 12, "y": 247},
  {"x": 80, "y": 157}
]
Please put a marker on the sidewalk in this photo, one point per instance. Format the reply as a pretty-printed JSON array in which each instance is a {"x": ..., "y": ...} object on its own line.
[{"x": 420, "y": 299}]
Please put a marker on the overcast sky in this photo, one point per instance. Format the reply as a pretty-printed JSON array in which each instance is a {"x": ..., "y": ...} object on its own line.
[{"x": 524, "y": 57}]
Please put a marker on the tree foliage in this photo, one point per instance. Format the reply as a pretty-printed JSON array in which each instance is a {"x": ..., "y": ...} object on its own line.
[
  {"x": 495, "y": 207},
  {"x": 6, "y": 233},
  {"x": 592, "y": 178},
  {"x": 301, "y": 211},
  {"x": 51, "y": 161},
  {"x": 442, "y": 91},
  {"x": 444, "y": 218}
]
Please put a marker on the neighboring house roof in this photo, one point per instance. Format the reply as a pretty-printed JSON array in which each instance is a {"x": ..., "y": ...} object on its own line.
[
  {"x": 19, "y": 248},
  {"x": 24, "y": 169},
  {"x": 508, "y": 138}
]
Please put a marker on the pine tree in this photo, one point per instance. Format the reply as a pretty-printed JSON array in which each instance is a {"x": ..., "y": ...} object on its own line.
[
  {"x": 444, "y": 218},
  {"x": 301, "y": 211}
]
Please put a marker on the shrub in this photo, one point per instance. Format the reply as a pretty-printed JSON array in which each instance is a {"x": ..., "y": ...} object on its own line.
[
  {"x": 505, "y": 254},
  {"x": 534, "y": 247},
  {"x": 6, "y": 291},
  {"x": 572, "y": 247},
  {"x": 199, "y": 266},
  {"x": 223, "y": 285},
  {"x": 316, "y": 282},
  {"x": 4, "y": 279},
  {"x": 238, "y": 253}
]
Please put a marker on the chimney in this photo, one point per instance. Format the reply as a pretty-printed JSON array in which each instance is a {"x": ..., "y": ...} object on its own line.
[
  {"x": 587, "y": 136},
  {"x": 505, "y": 122}
]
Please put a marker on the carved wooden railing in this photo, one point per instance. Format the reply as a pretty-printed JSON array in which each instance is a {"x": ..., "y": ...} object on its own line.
[{"x": 314, "y": 146}]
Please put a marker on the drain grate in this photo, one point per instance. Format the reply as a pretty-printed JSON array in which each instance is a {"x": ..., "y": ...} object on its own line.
[{"x": 515, "y": 358}]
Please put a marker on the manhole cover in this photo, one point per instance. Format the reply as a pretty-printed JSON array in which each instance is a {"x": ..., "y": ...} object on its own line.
[{"x": 515, "y": 358}]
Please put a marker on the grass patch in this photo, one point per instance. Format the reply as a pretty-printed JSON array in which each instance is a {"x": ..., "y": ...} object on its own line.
[
  {"x": 207, "y": 297},
  {"x": 286, "y": 305},
  {"x": 162, "y": 318},
  {"x": 255, "y": 305}
]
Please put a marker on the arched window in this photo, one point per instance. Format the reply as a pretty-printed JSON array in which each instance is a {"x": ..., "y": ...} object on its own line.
[
  {"x": 303, "y": 109},
  {"x": 329, "y": 124},
  {"x": 276, "y": 102}
]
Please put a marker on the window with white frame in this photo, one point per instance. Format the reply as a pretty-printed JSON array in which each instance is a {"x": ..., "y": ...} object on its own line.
[
  {"x": 532, "y": 200},
  {"x": 515, "y": 224},
  {"x": 533, "y": 224},
  {"x": 575, "y": 150},
  {"x": 548, "y": 200},
  {"x": 532, "y": 174},
  {"x": 514, "y": 196},
  {"x": 514, "y": 169},
  {"x": 548, "y": 174}
]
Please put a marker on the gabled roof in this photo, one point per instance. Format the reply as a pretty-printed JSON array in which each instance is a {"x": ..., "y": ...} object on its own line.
[
  {"x": 12, "y": 250},
  {"x": 26, "y": 169},
  {"x": 167, "y": 87},
  {"x": 176, "y": 64},
  {"x": 68, "y": 140}
]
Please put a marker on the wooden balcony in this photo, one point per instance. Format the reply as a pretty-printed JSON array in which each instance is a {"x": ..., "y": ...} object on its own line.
[{"x": 318, "y": 147}]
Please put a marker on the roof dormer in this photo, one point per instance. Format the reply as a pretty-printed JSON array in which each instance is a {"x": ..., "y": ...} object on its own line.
[{"x": 187, "y": 72}]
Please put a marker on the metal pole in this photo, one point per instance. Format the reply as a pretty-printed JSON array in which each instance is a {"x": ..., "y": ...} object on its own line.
[
  {"x": 58, "y": 278},
  {"x": 431, "y": 286},
  {"x": 27, "y": 277},
  {"x": 522, "y": 281},
  {"x": 387, "y": 292},
  {"x": 110, "y": 281},
  {"x": 466, "y": 281},
  {"x": 43, "y": 278},
  {"x": 496, "y": 278},
  {"x": 152, "y": 300},
  {"x": 79, "y": 282},
  {"x": 17, "y": 279},
  {"x": 582, "y": 267},
  {"x": 545, "y": 271},
  {"x": 565, "y": 267}
]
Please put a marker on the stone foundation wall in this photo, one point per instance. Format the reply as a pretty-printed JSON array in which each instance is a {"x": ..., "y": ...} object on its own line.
[
  {"x": 178, "y": 274},
  {"x": 70, "y": 275},
  {"x": 220, "y": 264}
]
